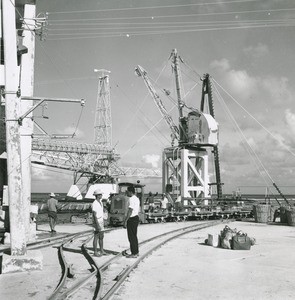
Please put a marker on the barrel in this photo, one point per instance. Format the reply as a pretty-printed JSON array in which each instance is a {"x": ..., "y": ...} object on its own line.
[
  {"x": 291, "y": 216},
  {"x": 263, "y": 213}
]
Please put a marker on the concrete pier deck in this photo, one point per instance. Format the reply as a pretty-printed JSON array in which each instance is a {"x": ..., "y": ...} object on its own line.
[{"x": 185, "y": 268}]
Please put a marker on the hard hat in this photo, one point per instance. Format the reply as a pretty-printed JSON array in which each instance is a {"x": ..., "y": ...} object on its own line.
[
  {"x": 52, "y": 195},
  {"x": 97, "y": 192}
]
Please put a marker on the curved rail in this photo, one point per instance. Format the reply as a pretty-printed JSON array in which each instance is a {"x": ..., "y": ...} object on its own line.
[
  {"x": 66, "y": 270},
  {"x": 48, "y": 241},
  {"x": 96, "y": 290}
]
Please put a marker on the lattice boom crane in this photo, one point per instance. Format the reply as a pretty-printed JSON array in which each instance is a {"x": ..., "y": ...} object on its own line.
[{"x": 140, "y": 71}]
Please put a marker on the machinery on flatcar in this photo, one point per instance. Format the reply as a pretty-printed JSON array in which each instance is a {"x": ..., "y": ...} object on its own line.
[
  {"x": 120, "y": 203},
  {"x": 185, "y": 166}
]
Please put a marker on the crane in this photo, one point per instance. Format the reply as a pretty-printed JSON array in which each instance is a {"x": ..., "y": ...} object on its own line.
[
  {"x": 186, "y": 166},
  {"x": 141, "y": 72}
]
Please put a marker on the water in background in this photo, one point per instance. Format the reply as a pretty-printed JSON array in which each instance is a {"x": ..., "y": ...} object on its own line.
[{"x": 43, "y": 197}]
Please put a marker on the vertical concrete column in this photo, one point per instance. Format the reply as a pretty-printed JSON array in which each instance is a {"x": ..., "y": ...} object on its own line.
[
  {"x": 26, "y": 130},
  {"x": 12, "y": 111}
]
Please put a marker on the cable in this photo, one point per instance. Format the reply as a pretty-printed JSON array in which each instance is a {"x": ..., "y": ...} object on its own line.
[
  {"x": 130, "y": 34},
  {"x": 144, "y": 135},
  {"x": 78, "y": 22},
  {"x": 270, "y": 133},
  {"x": 155, "y": 7},
  {"x": 54, "y": 31},
  {"x": 245, "y": 140},
  {"x": 134, "y": 116},
  {"x": 139, "y": 109},
  {"x": 193, "y": 15},
  {"x": 78, "y": 122}
]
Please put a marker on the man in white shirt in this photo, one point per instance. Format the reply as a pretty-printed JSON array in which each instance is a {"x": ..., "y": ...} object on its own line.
[
  {"x": 131, "y": 222},
  {"x": 52, "y": 211},
  {"x": 164, "y": 202},
  {"x": 97, "y": 215}
]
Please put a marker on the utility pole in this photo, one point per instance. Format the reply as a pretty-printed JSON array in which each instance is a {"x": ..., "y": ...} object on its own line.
[{"x": 12, "y": 112}]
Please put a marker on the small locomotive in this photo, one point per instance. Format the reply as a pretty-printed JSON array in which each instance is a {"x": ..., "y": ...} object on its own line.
[{"x": 120, "y": 203}]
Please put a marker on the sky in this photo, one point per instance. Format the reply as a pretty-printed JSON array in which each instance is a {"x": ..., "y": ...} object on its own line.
[{"x": 247, "y": 47}]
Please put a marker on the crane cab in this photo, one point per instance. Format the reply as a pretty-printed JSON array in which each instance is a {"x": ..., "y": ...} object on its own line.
[{"x": 202, "y": 129}]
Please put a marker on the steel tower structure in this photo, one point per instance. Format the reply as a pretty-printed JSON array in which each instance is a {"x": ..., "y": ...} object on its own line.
[{"x": 103, "y": 118}]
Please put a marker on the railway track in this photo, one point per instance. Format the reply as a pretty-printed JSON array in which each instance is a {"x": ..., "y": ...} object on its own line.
[
  {"x": 48, "y": 242},
  {"x": 100, "y": 278}
]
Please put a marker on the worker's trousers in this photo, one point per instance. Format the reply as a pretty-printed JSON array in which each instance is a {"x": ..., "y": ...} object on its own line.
[{"x": 132, "y": 225}]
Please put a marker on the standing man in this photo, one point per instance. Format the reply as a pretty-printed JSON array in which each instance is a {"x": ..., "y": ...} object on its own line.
[
  {"x": 151, "y": 201},
  {"x": 178, "y": 204},
  {"x": 131, "y": 221},
  {"x": 52, "y": 211},
  {"x": 164, "y": 203},
  {"x": 97, "y": 216}
]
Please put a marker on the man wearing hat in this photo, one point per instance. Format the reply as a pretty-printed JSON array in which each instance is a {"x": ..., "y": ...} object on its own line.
[
  {"x": 52, "y": 211},
  {"x": 97, "y": 215}
]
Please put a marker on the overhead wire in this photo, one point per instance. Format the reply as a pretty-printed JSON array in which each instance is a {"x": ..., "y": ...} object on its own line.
[
  {"x": 79, "y": 22},
  {"x": 165, "y": 28},
  {"x": 114, "y": 26},
  {"x": 188, "y": 15},
  {"x": 154, "y": 7},
  {"x": 130, "y": 34}
]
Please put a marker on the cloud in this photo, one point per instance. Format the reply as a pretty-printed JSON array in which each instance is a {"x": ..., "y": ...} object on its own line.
[
  {"x": 152, "y": 159},
  {"x": 290, "y": 120},
  {"x": 290, "y": 130},
  {"x": 258, "y": 51},
  {"x": 222, "y": 64},
  {"x": 239, "y": 81},
  {"x": 264, "y": 90},
  {"x": 71, "y": 130},
  {"x": 277, "y": 89}
]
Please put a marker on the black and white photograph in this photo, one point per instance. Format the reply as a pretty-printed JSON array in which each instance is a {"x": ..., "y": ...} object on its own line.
[{"x": 147, "y": 149}]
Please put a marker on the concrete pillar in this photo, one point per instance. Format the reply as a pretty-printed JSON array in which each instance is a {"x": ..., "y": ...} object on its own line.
[
  {"x": 12, "y": 112},
  {"x": 26, "y": 130}
]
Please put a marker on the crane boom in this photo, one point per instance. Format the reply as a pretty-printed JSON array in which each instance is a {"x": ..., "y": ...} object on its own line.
[{"x": 142, "y": 73}]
